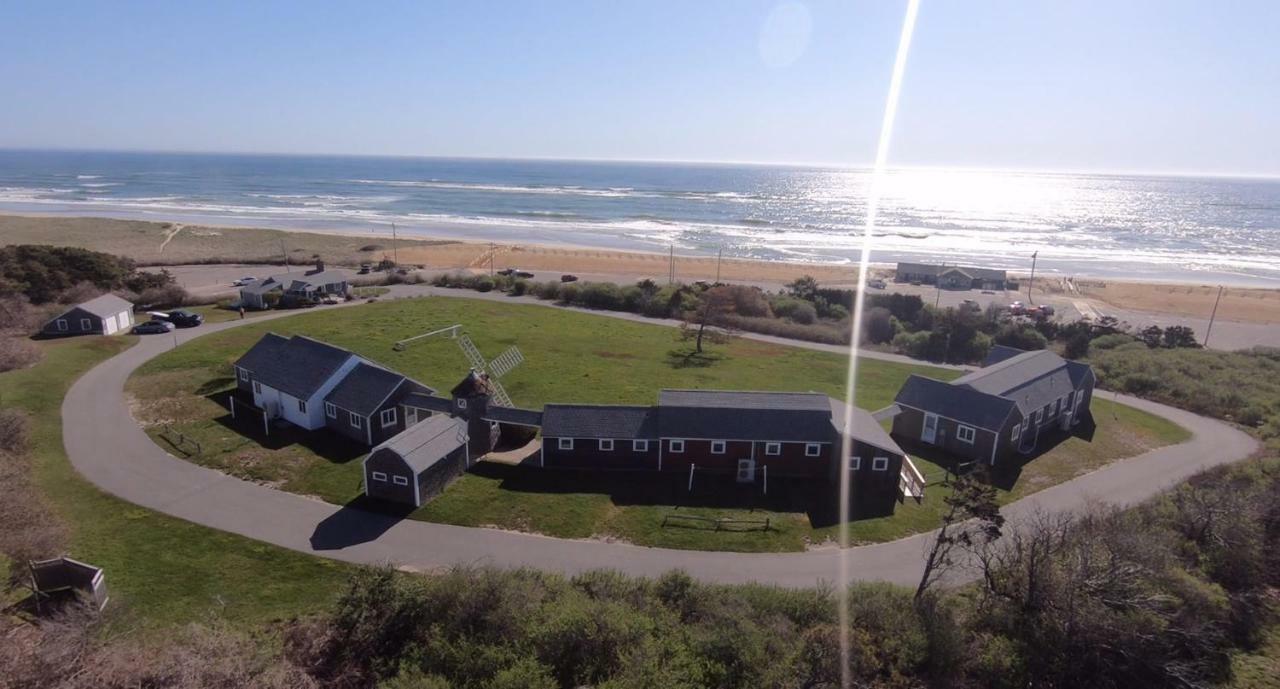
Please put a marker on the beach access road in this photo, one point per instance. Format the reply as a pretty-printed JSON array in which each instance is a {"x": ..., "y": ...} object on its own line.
[{"x": 110, "y": 450}]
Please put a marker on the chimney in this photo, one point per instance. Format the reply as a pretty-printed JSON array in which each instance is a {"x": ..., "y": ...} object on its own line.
[{"x": 319, "y": 267}]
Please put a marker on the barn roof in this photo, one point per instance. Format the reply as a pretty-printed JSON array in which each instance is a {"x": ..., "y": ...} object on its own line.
[
  {"x": 298, "y": 366},
  {"x": 427, "y": 442},
  {"x": 105, "y": 305},
  {"x": 599, "y": 421},
  {"x": 957, "y": 402}
]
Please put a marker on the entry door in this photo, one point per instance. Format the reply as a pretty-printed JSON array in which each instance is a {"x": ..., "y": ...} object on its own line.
[
  {"x": 746, "y": 470},
  {"x": 410, "y": 416},
  {"x": 929, "y": 432}
]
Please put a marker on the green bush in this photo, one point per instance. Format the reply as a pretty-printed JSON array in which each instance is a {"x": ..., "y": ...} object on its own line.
[
  {"x": 1020, "y": 336},
  {"x": 519, "y": 288},
  {"x": 484, "y": 283}
]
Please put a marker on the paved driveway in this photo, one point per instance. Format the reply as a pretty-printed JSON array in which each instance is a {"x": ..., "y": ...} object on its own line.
[{"x": 109, "y": 449}]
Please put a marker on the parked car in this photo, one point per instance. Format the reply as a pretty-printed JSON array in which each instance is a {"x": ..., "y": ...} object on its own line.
[
  {"x": 523, "y": 274},
  {"x": 1047, "y": 309},
  {"x": 970, "y": 305},
  {"x": 184, "y": 319},
  {"x": 876, "y": 284},
  {"x": 156, "y": 327},
  {"x": 568, "y": 278},
  {"x": 245, "y": 280},
  {"x": 365, "y": 268},
  {"x": 507, "y": 271},
  {"x": 1017, "y": 308}
]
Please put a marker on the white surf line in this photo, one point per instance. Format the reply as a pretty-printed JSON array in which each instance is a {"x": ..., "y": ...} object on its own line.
[{"x": 873, "y": 208}]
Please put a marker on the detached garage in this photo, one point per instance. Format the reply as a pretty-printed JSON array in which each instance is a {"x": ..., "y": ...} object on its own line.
[
  {"x": 104, "y": 315},
  {"x": 416, "y": 465}
]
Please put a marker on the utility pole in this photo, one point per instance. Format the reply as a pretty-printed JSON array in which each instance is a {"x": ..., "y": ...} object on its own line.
[
  {"x": 719, "y": 255},
  {"x": 937, "y": 282},
  {"x": 492, "y": 249},
  {"x": 1032, "y": 281},
  {"x": 1212, "y": 316},
  {"x": 285, "y": 254},
  {"x": 671, "y": 266},
  {"x": 395, "y": 254}
]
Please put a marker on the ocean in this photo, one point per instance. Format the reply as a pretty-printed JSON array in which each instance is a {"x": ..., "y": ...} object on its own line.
[{"x": 1214, "y": 229}]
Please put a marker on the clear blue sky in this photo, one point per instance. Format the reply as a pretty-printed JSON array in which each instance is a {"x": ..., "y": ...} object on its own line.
[{"x": 1152, "y": 85}]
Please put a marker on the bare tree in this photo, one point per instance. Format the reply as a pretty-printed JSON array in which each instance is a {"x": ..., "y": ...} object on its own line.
[
  {"x": 972, "y": 520},
  {"x": 714, "y": 305}
]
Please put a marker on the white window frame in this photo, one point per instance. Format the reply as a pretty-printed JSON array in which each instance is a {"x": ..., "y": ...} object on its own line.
[
  {"x": 773, "y": 449},
  {"x": 963, "y": 430},
  {"x": 606, "y": 444},
  {"x": 384, "y": 418},
  {"x": 257, "y": 387},
  {"x": 400, "y": 480},
  {"x": 331, "y": 410},
  {"x": 719, "y": 447},
  {"x": 86, "y": 324},
  {"x": 357, "y": 421},
  {"x": 62, "y": 325},
  {"x": 639, "y": 445},
  {"x": 379, "y": 476},
  {"x": 244, "y": 374},
  {"x": 302, "y": 406},
  {"x": 675, "y": 447},
  {"x": 880, "y": 464},
  {"x": 813, "y": 449},
  {"x": 462, "y": 404},
  {"x": 564, "y": 443},
  {"x": 1016, "y": 434},
  {"x": 855, "y": 463},
  {"x": 1057, "y": 406}
]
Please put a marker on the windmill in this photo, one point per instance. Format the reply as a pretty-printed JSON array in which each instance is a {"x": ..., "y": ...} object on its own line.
[{"x": 496, "y": 369}]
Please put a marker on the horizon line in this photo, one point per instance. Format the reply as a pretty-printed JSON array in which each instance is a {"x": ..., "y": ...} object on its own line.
[{"x": 669, "y": 161}]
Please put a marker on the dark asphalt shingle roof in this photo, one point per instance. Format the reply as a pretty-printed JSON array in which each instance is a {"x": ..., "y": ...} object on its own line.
[
  {"x": 735, "y": 415},
  {"x": 428, "y": 441},
  {"x": 298, "y": 366},
  {"x": 999, "y": 353},
  {"x": 364, "y": 388},
  {"x": 105, "y": 305},
  {"x": 599, "y": 421},
  {"x": 932, "y": 269},
  {"x": 958, "y": 402},
  {"x": 865, "y": 427},
  {"x": 428, "y": 401},
  {"x": 522, "y": 417},
  {"x": 740, "y": 399},
  {"x": 1031, "y": 379}
]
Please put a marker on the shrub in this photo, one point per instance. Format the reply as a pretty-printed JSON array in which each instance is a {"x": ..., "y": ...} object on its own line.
[
  {"x": 570, "y": 293},
  {"x": 600, "y": 295},
  {"x": 547, "y": 290},
  {"x": 804, "y": 313},
  {"x": 1111, "y": 341},
  {"x": 17, "y": 352},
  {"x": 484, "y": 283},
  {"x": 879, "y": 326},
  {"x": 1020, "y": 336},
  {"x": 519, "y": 288}
]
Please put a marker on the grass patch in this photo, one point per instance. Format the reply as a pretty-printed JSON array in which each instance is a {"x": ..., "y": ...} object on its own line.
[
  {"x": 161, "y": 571},
  {"x": 571, "y": 357}
]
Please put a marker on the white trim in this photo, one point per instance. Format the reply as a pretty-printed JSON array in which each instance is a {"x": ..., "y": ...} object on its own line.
[
  {"x": 564, "y": 443},
  {"x": 62, "y": 325},
  {"x": 676, "y": 445},
  {"x": 86, "y": 324},
  {"x": 722, "y": 445},
  {"x": 948, "y": 418},
  {"x": 383, "y": 417},
  {"x": 605, "y": 444},
  {"x": 961, "y": 430},
  {"x": 400, "y": 480},
  {"x": 772, "y": 449},
  {"x": 855, "y": 463},
  {"x": 244, "y": 374},
  {"x": 880, "y": 464},
  {"x": 356, "y": 420},
  {"x": 1016, "y": 436},
  {"x": 257, "y": 387},
  {"x": 330, "y": 410},
  {"x": 302, "y": 406},
  {"x": 813, "y": 449},
  {"x": 639, "y": 445},
  {"x": 462, "y": 403},
  {"x": 379, "y": 476}
]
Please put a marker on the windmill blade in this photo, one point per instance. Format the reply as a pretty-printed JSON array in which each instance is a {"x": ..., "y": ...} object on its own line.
[
  {"x": 471, "y": 352},
  {"x": 504, "y": 362},
  {"x": 500, "y": 396}
]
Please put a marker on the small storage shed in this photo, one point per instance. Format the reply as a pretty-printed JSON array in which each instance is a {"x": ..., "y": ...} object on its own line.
[
  {"x": 104, "y": 315},
  {"x": 416, "y": 465}
]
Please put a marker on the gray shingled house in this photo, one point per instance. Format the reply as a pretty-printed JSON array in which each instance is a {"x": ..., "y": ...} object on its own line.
[
  {"x": 416, "y": 465},
  {"x": 951, "y": 277},
  {"x": 293, "y": 289},
  {"x": 104, "y": 315},
  {"x": 999, "y": 411},
  {"x": 313, "y": 385}
]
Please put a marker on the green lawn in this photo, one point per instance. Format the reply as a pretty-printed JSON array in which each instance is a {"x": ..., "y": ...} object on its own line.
[
  {"x": 161, "y": 571},
  {"x": 571, "y": 357}
]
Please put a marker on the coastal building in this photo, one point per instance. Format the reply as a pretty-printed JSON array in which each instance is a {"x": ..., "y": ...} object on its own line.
[
  {"x": 951, "y": 277},
  {"x": 999, "y": 412},
  {"x": 104, "y": 315},
  {"x": 295, "y": 289},
  {"x": 416, "y": 465}
]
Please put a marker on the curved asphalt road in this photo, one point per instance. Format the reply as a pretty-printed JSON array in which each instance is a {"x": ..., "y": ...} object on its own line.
[{"x": 108, "y": 447}]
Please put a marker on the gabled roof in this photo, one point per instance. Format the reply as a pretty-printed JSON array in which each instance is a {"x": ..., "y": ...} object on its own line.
[
  {"x": 932, "y": 269},
  {"x": 294, "y": 281},
  {"x": 865, "y": 427},
  {"x": 957, "y": 402},
  {"x": 428, "y": 401},
  {"x": 366, "y": 387},
  {"x": 105, "y": 305},
  {"x": 475, "y": 383},
  {"x": 599, "y": 421},
  {"x": 427, "y": 442},
  {"x": 1031, "y": 379},
  {"x": 733, "y": 415},
  {"x": 999, "y": 353},
  {"x": 298, "y": 366}
]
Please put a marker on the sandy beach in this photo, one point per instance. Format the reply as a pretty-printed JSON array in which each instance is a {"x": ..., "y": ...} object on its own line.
[{"x": 161, "y": 243}]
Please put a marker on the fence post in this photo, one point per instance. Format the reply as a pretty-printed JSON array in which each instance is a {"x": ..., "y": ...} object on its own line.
[
  {"x": 233, "y": 406},
  {"x": 691, "y": 468},
  {"x": 266, "y": 426},
  {"x": 766, "y": 479}
]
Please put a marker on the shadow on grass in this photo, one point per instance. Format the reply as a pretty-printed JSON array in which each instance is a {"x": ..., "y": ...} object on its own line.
[
  {"x": 1006, "y": 473},
  {"x": 690, "y": 358},
  {"x": 215, "y": 385},
  {"x": 324, "y": 443},
  {"x": 361, "y": 520}
]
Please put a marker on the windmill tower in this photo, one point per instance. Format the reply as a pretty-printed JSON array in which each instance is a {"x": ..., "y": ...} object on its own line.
[{"x": 501, "y": 365}]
